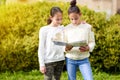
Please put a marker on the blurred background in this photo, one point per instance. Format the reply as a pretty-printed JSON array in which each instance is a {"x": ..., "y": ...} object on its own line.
[{"x": 20, "y": 21}]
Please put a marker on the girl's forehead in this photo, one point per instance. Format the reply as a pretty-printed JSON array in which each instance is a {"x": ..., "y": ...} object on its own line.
[
  {"x": 74, "y": 15},
  {"x": 58, "y": 14}
]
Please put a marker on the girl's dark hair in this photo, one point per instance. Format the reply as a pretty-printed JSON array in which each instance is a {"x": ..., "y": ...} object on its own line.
[
  {"x": 73, "y": 8},
  {"x": 53, "y": 11}
]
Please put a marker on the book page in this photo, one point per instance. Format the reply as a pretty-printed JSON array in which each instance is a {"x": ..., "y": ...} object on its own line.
[
  {"x": 78, "y": 43},
  {"x": 74, "y": 44}
]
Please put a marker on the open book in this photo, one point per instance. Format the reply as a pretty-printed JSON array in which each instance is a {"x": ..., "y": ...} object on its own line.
[
  {"x": 58, "y": 40},
  {"x": 74, "y": 44}
]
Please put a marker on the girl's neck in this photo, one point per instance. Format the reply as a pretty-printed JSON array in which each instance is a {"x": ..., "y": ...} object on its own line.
[
  {"x": 54, "y": 25},
  {"x": 77, "y": 24}
]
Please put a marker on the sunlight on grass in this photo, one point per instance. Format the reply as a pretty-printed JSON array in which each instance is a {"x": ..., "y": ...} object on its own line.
[{"x": 36, "y": 75}]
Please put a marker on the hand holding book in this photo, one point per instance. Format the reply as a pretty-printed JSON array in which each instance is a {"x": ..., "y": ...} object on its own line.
[
  {"x": 68, "y": 47},
  {"x": 84, "y": 48}
]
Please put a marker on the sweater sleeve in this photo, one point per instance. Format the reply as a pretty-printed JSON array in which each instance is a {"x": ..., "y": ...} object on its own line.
[
  {"x": 41, "y": 47},
  {"x": 91, "y": 40}
]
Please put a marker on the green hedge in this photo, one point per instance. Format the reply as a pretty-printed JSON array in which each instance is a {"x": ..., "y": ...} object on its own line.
[
  {"x": 20, "y": 24},
  {"x": 19, "y": 27},
  {"x": 2, "y": 2}
]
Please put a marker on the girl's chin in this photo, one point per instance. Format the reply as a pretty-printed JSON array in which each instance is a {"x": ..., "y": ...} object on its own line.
[{"x": 75, "y": 24}]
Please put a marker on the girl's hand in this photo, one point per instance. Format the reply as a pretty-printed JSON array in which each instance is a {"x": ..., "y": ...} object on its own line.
[
  {"x": 68, "y": 47},
  {"x": 84, "y": 48},
  {"x": 42, "y": 69}
]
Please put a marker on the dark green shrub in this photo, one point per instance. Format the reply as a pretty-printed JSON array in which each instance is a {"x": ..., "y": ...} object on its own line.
[
  {"x": 106, "y": 54},
  {"x": 107, "y": 34}
]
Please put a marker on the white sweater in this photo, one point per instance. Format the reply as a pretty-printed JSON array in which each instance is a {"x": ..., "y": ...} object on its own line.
[
  {"x": 78, "y": 33},
  {"x": 48, "y": 51}
]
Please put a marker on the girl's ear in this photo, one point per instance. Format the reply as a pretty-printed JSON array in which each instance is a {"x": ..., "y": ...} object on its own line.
[
  {"x": 51, "y": 17},
  {"x": 80, "y": 14}
]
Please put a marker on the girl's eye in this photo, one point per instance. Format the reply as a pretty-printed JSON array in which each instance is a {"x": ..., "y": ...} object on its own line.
[
  {"x": 72, "y": 19},
  {"x": 75, "y": 19},
  {"x": 58, "y": 19}
]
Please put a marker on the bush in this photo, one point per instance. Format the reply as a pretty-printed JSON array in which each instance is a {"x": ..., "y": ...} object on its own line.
[
  {"x": 107, "y": 34},
  {"x": 19, "y": 40},
  {"x": 2, "y": 2},
  {"x": 106, "y": 54},
  {"x": 20, "y": 24}
]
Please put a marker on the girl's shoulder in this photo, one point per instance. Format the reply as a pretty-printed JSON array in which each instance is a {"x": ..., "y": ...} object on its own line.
[
  {"x": 44, "y": 28},
  {"x": 86, "y": 25},
  {"x": 68, "y": 26}
]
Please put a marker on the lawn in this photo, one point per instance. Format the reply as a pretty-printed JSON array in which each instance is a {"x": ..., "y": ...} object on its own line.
[{"x": 36, "y": 75}]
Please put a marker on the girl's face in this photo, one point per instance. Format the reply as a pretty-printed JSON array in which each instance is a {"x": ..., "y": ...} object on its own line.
[
  {"x": 57, "y": 19},
  {"x": 74, "y": 18}
]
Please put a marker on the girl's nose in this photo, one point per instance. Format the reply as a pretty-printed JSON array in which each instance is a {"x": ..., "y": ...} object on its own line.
[{"x": 74, "y": 21}]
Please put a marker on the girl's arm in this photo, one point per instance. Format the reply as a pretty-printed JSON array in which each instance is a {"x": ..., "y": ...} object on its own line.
[
  {"x": 41, "y": 48},
  {"x": 91, "y": 40}
]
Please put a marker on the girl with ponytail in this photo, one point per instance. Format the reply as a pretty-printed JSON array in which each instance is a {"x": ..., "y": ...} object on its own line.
[
  {"x": 51, "y": 56},
  {"x": 78, "y": 57}
]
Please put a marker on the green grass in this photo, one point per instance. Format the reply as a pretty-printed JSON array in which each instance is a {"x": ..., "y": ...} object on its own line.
[{"x": 36, "y": 75}]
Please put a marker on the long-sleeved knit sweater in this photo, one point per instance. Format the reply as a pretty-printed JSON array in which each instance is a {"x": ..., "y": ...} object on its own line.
[
  {"x": 79, "y": 33},
  {"x": 48, "y": 51}
]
